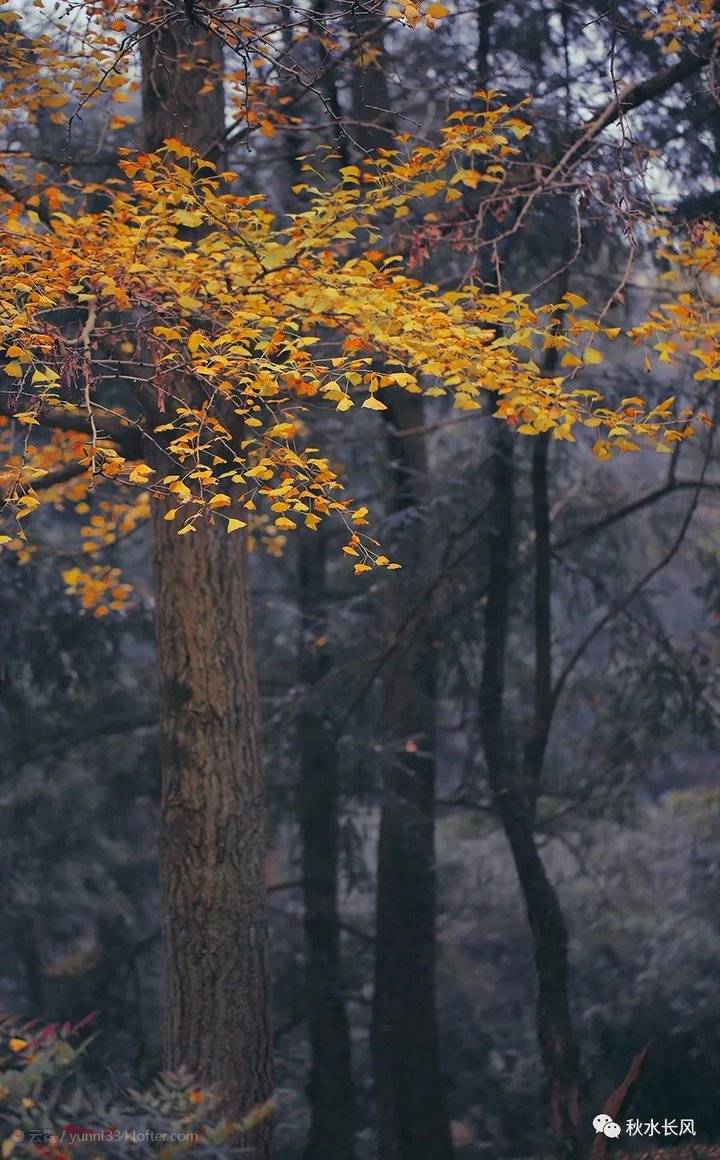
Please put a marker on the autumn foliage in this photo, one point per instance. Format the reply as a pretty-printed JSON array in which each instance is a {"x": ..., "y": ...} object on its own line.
[{"x": 179, "y": 276}]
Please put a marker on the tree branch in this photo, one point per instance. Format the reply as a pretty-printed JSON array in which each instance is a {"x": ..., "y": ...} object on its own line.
[
  {"x": 126, "y": 435},
  {"x": 636, "y": 588},
  {"x": 633, "y": 506}
]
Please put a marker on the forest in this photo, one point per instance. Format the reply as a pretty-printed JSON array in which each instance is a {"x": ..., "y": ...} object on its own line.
[{"x": 359, "y": 793}]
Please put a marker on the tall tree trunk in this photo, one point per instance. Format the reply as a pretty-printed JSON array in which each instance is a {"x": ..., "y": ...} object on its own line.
[
  {"x": 514, "y": 783},
  {"x": 513, "y": 807},
  {"x": 212, "y": 844},
  {"x": 330, "y": 1090},
  {"x": 412, "y": 1116},
  {"x": 331, "y": 1095}
]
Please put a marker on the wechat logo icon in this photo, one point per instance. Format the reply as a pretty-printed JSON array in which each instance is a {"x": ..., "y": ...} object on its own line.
[{"x": 606, "y": 1125}]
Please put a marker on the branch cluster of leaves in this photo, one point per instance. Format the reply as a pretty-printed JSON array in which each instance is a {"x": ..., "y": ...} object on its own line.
[{"x": 227, "y": 321}]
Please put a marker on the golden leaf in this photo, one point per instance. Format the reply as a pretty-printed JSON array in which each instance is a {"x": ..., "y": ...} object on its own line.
[
  {"x": 219, "y": 500},
  {"x": 141, "y": 473}
]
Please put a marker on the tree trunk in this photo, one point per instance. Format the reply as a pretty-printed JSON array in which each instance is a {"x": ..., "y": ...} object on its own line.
[
  {"x": 179, "y": 59},
  {"x": 412, "y": 1117},
  {"x": 330, "y": 1089},
  {"x": 212, "y": 843},
  {"x": 515, "y": 812}
]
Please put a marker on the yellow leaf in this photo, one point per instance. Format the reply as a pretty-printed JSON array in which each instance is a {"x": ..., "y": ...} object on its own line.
[
  {"x": 518, "y": 128},
  {"x": 18, "y": 1044},
  {"x": 469, "y": 177},
  {"x": 219, "y": 501},
  {"x": 373, "y": 404},
  {"x": 141, "y": 473},
  {"x": 362, "y": 568},
  {"x": 345, "y": 404},
  {"x": 235, "y": 525},
  {"x": 26, "y": 417},
  {"x": 575, "y": 300},
  {"x": 177, "y": 487},
  {"x": 591, "y": 355},
  {"x": 284, "y": 522},
  {"x": 186, "y": 217},
  {"x": 29, "y": 503},
  {"x": 437, "y": 11},
  {"x": 14, "y": 370},
  {"x": 170, "y": 515},
  {"x": 570, "y": 360}
]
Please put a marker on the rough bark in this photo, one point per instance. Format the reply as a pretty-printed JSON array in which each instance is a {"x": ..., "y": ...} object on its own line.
[
  {"x": 412, "y": 1116},
  {"x": 178, "y": 58},
  {"x": 330, "y": 1089},
  {"x": 212, "y": 843}
]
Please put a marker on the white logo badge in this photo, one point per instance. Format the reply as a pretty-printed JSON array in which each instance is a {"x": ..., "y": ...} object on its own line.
[{"x": 605, "y": 1124}]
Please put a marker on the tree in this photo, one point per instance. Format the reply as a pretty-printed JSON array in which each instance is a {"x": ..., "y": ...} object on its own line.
[
  {"x": 409, "y": 1090},
  {"x": 330, "y": 1087}
]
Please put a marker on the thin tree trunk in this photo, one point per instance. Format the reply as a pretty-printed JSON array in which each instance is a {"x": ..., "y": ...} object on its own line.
[
  {"x": 412, "y": 1116},
  {"x": 331, "y": 1095},
  {"x": 330, "y": 1090},
  {"x": 515, "y": 811},
  {"x": 212, "y": 843},
  {"x": 514, "y": 784}
]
